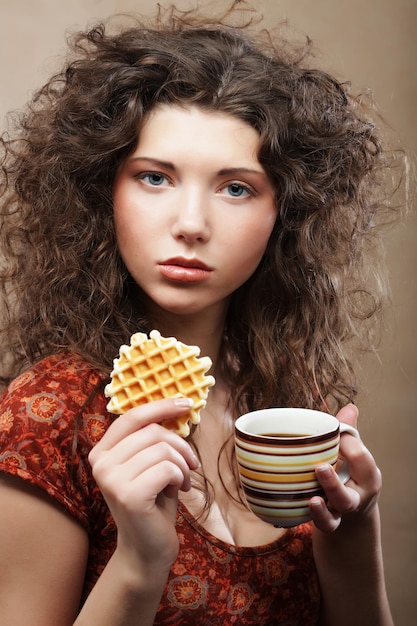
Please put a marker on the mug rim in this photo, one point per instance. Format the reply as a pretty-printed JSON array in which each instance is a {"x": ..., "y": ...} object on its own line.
[{"x": 244, "y": 434}]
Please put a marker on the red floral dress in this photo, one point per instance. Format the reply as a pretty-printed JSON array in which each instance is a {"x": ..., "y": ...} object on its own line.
[{"x": 52, "y": 415}]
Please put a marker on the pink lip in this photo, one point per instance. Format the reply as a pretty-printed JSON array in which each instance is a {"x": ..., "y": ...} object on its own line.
[{"x": 184, "y": 270}]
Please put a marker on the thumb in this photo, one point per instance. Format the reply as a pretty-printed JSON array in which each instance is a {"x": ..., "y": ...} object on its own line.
[{"x": 348, "y": 415}]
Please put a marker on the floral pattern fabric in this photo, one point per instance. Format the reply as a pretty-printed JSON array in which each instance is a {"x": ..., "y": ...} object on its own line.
[{"x": 50, "y": 418}]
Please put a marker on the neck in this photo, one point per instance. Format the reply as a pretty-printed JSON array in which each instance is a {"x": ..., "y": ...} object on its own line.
[{"x": 203, "y": 330}]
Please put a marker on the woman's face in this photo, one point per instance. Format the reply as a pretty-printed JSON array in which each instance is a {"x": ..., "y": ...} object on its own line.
[{"x": 193, "y": 209}]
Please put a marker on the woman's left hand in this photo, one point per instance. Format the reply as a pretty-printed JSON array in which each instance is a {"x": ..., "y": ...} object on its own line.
[{"x": 359, "y": 495}]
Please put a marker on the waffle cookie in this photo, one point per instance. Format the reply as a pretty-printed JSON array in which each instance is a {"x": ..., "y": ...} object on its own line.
[{"x": 156, "y": 367}]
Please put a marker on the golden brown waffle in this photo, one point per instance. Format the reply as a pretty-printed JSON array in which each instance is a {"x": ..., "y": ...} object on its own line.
[{"x": 159, "y": 367}]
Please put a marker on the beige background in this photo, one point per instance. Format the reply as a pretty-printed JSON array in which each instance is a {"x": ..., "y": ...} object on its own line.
[{"x": 374, "y": 44}]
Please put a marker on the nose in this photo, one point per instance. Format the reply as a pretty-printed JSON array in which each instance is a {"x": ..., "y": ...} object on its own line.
[{"x": 191, "y": 223}]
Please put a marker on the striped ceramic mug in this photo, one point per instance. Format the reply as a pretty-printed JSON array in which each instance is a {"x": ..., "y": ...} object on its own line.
[{"x": 277, "y": 451}]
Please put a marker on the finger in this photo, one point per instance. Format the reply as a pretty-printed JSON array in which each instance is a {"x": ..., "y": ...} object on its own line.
[
  {"x": 138, "y": 499},
  {"x": 363, "y": 469},
  {"x": 324, "y": 519},
  {"x": 340, "y": 498},
  {"x": 349, "y": 415},
  {"x": 111, "y": 476},
  {"x": 164, "y": 478},
  {"x": 144, "y": 438},
  {"x": 141, "y": 416}
]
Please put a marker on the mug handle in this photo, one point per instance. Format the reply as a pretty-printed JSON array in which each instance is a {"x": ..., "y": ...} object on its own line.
[{"x": 343, "y": 471}]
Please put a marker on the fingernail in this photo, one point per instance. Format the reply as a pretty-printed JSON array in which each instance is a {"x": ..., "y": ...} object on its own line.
[
  {"x": 196, "y": 461},
  {"x": 184, "y": 402},
  {"x": 324, "y": 470},
  {"x": 317, "y": 503}
]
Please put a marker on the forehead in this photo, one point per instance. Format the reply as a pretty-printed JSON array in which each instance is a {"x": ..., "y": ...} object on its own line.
[{"x": 174, "y": 128}]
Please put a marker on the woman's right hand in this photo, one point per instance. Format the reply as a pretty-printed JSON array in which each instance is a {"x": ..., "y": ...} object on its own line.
[{"x": 140, "y": 466}]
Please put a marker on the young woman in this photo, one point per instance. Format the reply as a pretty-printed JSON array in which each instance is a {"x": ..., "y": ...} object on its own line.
[{"x": 186, "y": 177}]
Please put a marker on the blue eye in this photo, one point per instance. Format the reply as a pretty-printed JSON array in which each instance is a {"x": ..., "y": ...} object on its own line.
[
  {"x": 156, "y": 179},
  {"x": 236, "y": 190}
]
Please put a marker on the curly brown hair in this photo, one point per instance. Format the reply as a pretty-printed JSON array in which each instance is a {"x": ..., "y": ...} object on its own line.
[{"x": 63, "y": 283}]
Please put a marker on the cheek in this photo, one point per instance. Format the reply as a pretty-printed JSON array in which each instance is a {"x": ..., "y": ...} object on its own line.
[
  {"x": 128, "y": 220},
  {"x": 246, "y": 249},
  {"x": 123, "y": 231},
  {"x": 120, "y": 213},
  {"x": 255, "y": 237},
  {"x": 128, "y": 232}
]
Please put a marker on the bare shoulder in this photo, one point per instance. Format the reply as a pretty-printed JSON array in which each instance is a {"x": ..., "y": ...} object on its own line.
[{"x": 43, "y": 554}]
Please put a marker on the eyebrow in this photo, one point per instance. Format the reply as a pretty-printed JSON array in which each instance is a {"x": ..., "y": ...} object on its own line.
[
  {"x": 227, "y": 171},
  {"x": 157, "y": 162},
  {"x": 240, "y": 170}
]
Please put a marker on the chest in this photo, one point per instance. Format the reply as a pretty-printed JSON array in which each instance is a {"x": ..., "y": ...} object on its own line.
[
  {"x": 222, "y": 513},
  {"x": 214, "y": 583},
  {"x": 229, "y": 520}
]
